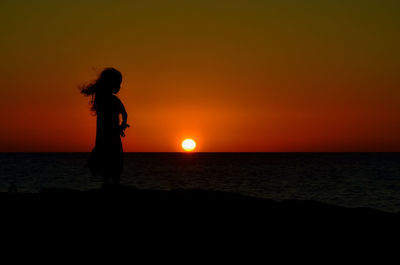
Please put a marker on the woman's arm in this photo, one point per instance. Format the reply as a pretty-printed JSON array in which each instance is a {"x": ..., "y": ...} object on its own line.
[
  {"x": 124, "y": 119},
  {"x": 121, "y": 110},
  {"x": 124, "y": 124}
]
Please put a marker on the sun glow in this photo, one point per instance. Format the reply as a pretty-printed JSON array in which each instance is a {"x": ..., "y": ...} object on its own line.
[{"x": 188, "y": 145}]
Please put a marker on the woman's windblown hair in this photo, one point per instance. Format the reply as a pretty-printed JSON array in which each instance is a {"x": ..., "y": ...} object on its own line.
[{"x": 102, "y": 87}]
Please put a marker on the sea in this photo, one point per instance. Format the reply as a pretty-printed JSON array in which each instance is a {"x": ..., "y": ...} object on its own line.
[{"x": 346, "y": 179}]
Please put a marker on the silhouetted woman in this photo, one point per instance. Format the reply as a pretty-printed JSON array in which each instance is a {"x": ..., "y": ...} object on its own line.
[{"x": 106, "y": 158}]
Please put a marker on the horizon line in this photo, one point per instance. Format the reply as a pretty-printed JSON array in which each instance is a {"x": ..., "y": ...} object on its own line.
[{"x": 176, "y": 152}]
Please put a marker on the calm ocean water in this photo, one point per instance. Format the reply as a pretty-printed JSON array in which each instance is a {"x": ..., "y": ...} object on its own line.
[{"x": 346, "y": 179}]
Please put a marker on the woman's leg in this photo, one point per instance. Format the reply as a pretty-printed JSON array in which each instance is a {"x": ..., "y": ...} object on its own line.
[
  {"x": 115, "y": 180},
  {"x": 106, "y": 182},
  {"x": 116, "y": 174}
]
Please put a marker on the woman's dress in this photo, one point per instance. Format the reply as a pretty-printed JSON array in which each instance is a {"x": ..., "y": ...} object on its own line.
[{"x": 106, "y": 158}]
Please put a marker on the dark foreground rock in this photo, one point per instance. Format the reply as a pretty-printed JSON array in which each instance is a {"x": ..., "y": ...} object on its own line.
[
  {"x": 175, "y": 204},
  {"x": 190, "y": 217}
]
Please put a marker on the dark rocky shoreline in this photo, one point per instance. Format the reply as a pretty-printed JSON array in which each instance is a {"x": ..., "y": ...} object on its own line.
[
  {"x": 183, "y": 202},
  {"x": 190, "y": 216}
]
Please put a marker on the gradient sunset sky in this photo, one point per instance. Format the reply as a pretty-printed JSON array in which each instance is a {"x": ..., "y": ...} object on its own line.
[{"x": 246, "y": 75}]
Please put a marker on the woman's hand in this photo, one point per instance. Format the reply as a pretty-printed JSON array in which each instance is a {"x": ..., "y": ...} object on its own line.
[{"x": 122, "y": 129}]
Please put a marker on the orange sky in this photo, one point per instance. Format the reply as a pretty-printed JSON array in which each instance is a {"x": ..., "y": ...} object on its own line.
[{"x": 234, "y": 77}]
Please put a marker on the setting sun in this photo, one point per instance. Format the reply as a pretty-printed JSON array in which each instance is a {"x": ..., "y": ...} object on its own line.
[{"x": 188, "y": 145}]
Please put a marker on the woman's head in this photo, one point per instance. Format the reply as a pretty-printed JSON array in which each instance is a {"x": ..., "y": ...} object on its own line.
[
  {"x": 110, "y": 78},
  {"x": 108, "y": 83}
]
